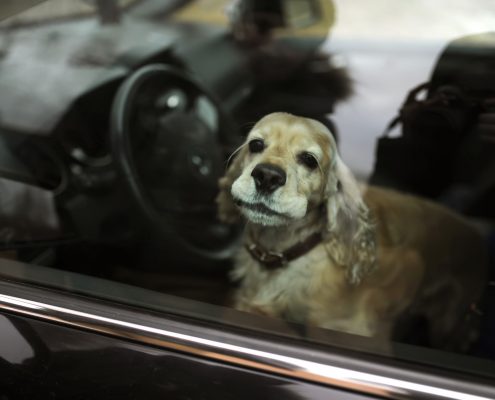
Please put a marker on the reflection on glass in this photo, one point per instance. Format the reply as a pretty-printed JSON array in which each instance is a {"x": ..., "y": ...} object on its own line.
[{"x": 127, "y": 130}]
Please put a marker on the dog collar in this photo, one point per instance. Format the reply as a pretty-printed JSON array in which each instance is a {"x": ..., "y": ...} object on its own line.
[{"x": 274, "y": 260}]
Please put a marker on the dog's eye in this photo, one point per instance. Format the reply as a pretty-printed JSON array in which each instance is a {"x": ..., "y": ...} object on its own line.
[
  {"x": 256, "y": 146},
  {"x": 308, "y": 160}
]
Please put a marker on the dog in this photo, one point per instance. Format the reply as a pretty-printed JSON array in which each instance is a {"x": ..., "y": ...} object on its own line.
[{"x": 321, "y": 249}]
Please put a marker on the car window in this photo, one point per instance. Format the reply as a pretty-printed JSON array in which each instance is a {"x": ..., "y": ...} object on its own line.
[{"x": 320, "y": 170}]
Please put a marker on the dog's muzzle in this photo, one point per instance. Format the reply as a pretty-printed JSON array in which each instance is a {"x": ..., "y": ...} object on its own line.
[{"x": 268, "y": 178}]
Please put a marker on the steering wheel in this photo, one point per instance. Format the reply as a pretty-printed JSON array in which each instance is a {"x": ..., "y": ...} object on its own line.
[{"x": 166, "y": 136}]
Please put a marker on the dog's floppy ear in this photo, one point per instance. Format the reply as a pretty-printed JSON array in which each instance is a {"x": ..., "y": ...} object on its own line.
[
  {"x": 351, "y": 233},
  {"x": 227, "y": 211}
]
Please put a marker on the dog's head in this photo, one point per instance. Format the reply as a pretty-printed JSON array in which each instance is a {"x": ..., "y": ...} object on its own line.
[{"x": 289, "y": 165}]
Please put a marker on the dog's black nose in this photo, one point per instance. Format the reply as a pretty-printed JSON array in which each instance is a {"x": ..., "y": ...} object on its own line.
[{"x": 268, "y": 177}]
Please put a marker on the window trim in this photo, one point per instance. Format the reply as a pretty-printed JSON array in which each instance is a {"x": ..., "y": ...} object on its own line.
[{"x": 231, "y": 347}]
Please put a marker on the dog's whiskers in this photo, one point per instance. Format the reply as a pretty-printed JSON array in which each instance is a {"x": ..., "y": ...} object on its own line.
[{"x": 227, "y": 163}]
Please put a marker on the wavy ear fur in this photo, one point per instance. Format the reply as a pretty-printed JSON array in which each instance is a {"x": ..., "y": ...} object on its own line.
[
  {"x": 351, "y": 240},
  {"x": 227, "y": 210}
]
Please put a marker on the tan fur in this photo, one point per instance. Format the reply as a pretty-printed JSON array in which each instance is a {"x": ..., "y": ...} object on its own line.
[{"x": 383, "y": 252}]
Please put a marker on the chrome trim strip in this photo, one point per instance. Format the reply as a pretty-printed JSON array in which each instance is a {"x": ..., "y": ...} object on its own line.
[{"x": 108, "y": 320}]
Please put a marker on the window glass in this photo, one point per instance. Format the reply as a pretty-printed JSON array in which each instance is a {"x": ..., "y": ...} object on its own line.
[{"x": 314, "y": 169}]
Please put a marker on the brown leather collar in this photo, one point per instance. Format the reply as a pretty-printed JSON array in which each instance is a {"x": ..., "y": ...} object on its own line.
[{"x": 273, "y": 259}]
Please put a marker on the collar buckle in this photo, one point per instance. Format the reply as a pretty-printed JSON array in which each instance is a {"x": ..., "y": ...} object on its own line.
[{"x": 268, "y": 258}]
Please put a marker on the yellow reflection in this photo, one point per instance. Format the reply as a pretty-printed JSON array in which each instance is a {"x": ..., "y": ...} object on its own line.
[{"x": 213, "y": 12}]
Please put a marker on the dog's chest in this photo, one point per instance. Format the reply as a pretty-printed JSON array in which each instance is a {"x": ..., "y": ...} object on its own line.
[{"x": 283, "y": 292}]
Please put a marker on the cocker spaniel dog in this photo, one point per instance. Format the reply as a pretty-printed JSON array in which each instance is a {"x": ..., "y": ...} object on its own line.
[{"x": 320, "y": 249}]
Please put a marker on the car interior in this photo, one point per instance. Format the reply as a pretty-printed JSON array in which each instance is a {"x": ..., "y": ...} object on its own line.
[{"x": 117, "y": 122}]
